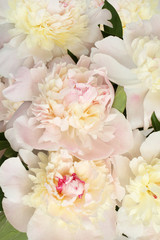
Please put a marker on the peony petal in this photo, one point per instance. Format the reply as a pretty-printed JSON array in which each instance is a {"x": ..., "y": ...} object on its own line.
[
  {"x": 42, "y": 226},
  {"x": 138, "y": 139},
  {"x": 123, "y": 140},
  {"x": 29, "y": 158},
  {"x": 5, "y": 36},
  {"x": 121, "y": 165},
  {"x": 20, "y": 111},
  {"x": 26, "y": 84},
  {"x": 151, "y": 104},
  {"x": 26, "y": 135},
  {"x": 135, "y": 97},
  {"x": 17, "y": 214},
  {"x": 115, "y": 47},
  {"x": 116, "y": 72},
  {"x": 127, "y": 227},
  {"x": 14, "y": 179},
  {"x": 7, "y": 65},
  {"x": 150, "y": 148}
]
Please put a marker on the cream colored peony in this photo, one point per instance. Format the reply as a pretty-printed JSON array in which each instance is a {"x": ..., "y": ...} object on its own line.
[
  {"x": 134, "y": 10},
  {"x": 139, "y": 216},
  {"x": 60, "y": 196},
  {"x": 44, "y": 29},
  {"x": 135, "y": 64}
]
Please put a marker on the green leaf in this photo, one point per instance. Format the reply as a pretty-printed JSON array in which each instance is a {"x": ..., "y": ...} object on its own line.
[
  {"x": 117, "y": 29},
  {"x": 4, "y": 144},
  {"x": 7, "y": 232},
  {"x": 120, "y": 99},
  {"x": 74, "y": 58},
  {"x": 10, "y": 153},
  {"x": 155, "y": 122},
  {"x": 2, "y": 137},
  {"x": 1, "y": 197}
]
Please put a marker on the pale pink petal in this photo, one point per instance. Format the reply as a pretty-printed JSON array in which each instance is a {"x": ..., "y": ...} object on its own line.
[
  {"x": 17, "y": 214},
  {"x": 14, "y": 179},
  {"x": 123, "y": 140},
  {"x": 134, "y": 105},
  {"x": 42, "y": 226},
  {"x": 150, "y": 149},
  {"x": 21, "y": 89},
  {"x": 27, "y": 136},
  {"x": 26, "y": 84},
  {"x": 66, "y": 59},
  {"x": 17, "y": 144},
  {"x": 151, "y": 104},
  {"x": 7, "y": 65},
  {"x": 100, "y": 150},
  {"x": 20, "y": 111}
]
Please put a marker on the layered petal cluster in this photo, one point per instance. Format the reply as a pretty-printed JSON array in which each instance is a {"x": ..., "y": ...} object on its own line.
[
  {"x": 135, "y": 10},
  {"x": 59, "y": 195},
  {"x": 134, "y": 63},
  {"x": 44, "y": 29},
  {"x": 7, "y": 107},
  {"x": 70, "y": 107},
  {"x": 139, "y": 217}
]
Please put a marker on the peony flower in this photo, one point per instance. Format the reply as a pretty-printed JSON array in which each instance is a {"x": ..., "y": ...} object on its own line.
[
  {"x": 135, "y": 10},
  {"x": 71, "y": 107},
  {"x": 44, "y": 29},
  {"x": 134, "y": 63},
  {"x": 7, "y": 107},
  {"x": 59, "y": 195},
  {"x": 139, "y": 216}
]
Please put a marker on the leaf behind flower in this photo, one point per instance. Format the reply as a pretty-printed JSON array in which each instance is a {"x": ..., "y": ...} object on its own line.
[
  {"x": 117, "y": 29},
  {"x": 7, "y": 232},
  {"x": 155, "y": 122},
  {"x": 120, "y": 99}
]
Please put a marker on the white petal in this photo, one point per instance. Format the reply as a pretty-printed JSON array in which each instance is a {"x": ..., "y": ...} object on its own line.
[
  {"x": 134, "y": 105},
  {"x": 17, "y": 214},
  {"x": 116, "y": 71},
  {"x": 151, "y": 147},
  {"x": 14, "y": 179},
  {"x": 29, "y": 158},
  {"x": 151, "y": 104},
  {"x": 42, "y": 226},
  {"x": 115, "y": 47}
]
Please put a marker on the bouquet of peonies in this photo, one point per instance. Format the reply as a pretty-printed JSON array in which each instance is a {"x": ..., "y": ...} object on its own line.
[{"x": 80, "y": 119}]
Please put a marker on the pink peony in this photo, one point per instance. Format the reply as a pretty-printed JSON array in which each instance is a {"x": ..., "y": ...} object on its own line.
[
  {"x": 60, "y": 196},
  {"x": 70, "y": 106}
]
